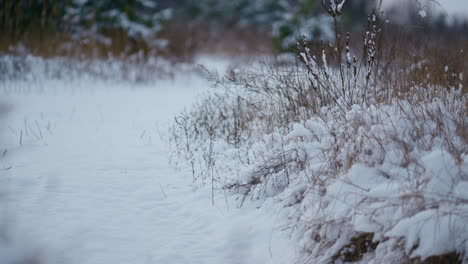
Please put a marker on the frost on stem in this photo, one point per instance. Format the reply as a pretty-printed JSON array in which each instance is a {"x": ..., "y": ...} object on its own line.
[
  {"x": 335, "y": 7},
  {"x": 310, "y": 62},
  {"x": 370, "y": 40}
]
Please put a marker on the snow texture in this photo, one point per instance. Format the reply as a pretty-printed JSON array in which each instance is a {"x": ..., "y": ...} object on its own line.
[
  {"x": 86, "y": 180},
  {"x": 395, "y": 170}
]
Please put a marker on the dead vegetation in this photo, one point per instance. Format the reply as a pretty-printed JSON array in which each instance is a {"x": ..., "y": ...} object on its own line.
[{"x": 298, "y": 131}]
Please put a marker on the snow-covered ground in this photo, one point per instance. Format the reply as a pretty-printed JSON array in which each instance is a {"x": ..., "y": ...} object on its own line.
[{"x": 86, "y": 179}]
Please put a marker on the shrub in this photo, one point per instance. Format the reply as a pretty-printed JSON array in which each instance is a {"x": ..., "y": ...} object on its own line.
[{"x": 366, "y": 145}]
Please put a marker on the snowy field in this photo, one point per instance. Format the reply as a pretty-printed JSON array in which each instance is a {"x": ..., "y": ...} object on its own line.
[{"x": 86, "y": 179}]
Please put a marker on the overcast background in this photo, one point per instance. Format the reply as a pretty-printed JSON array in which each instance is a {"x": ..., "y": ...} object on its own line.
[{"x": 450, "y": 7}]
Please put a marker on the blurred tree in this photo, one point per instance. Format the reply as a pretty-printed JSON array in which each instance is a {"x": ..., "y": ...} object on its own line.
[
  {"x": 285, "y": 19},
  {"x": 139, "y": 21},
  {"x": 17, "y": 17},
  {"x": 138, "y": 18}
]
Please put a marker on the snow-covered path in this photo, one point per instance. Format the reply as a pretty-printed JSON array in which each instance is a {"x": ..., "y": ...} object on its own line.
[{"x": 90, "y": 181}]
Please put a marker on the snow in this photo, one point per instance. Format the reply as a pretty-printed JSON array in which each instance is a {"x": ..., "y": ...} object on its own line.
[
  {"x": 430, "y": 232},
  {"x": 86, "y": 176},
  {"x": 389, "y": 169},
  {"x": 422, "y": 13},
  {"x": 340, "y": 6},
  {"x": 461, "y": 190},
  {"x": 90, "y": 181},
  {"x": 336, "y": 7},
  {"x": 298, "y": 131},
  {"x": 441, "y": 168}
]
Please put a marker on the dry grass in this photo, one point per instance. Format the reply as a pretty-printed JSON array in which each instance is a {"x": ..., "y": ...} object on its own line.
[
  {"x": 56, "y": 44},
  {"x": 383, "y": 94},
  {"x": 186, "y": 39},
  {"x": 178, "y": 40}
]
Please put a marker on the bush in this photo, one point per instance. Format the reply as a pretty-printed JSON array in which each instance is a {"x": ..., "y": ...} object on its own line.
[{"x": 365, "y": 145}]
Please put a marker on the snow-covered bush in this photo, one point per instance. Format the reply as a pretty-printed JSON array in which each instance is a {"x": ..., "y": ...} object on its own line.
[
  {"x": 371, "y": 165},
  {"x": 394, "y": 171}
]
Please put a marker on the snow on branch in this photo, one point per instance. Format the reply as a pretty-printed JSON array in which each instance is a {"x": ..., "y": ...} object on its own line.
[{"x": 334, "y": 8}]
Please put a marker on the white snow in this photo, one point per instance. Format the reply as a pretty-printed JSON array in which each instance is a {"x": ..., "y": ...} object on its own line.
[
  {"x": 422, "y": 13},
  {"x": 90, "y": 181},
  {"x": 461, "y": 190},
  {"x": 430, "y": 232},
  {"x": 381, "y": 169}
]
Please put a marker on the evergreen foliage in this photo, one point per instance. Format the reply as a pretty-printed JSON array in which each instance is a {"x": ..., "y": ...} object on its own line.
[{"x": 140, "y": 24}]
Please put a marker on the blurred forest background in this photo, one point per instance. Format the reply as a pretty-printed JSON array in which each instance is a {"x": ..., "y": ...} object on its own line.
[{"x": 179, "y": 28}]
